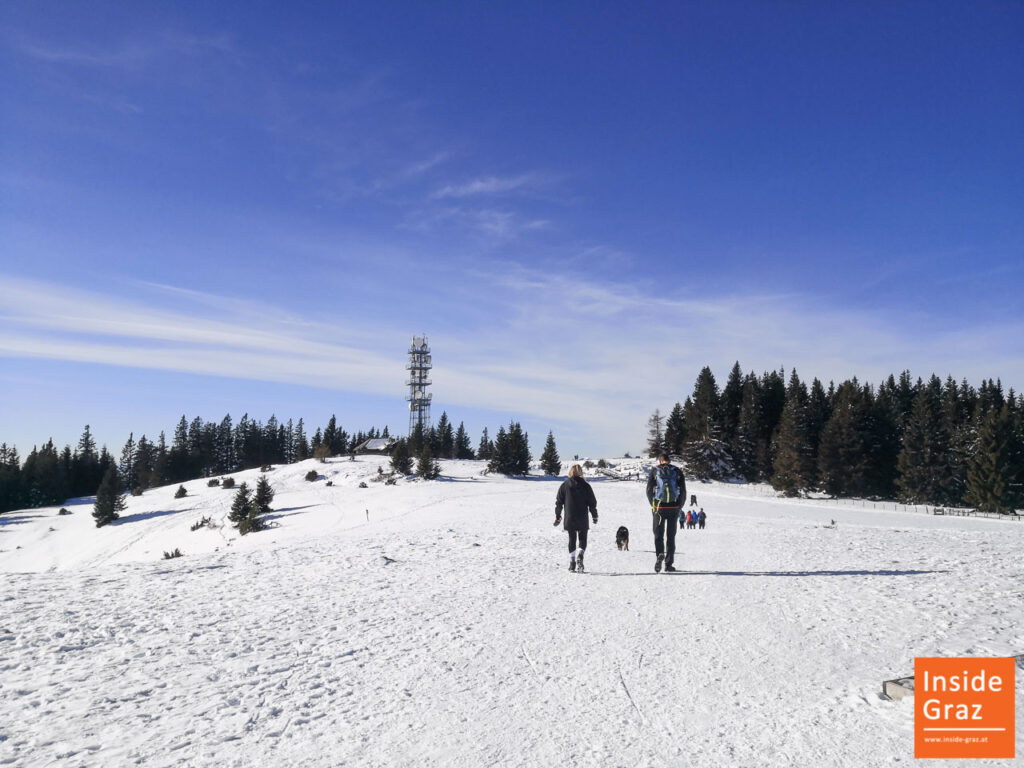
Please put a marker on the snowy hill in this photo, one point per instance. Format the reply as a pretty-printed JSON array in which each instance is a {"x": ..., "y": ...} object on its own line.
[{"x": 435, "y": 623}]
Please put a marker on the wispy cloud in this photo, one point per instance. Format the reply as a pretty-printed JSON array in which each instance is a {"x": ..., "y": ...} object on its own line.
[
  {"x": 420, "y": 167},
  {"x": 130, "y": 53},
  {"x": 492, "y": 185},
  {"x": 496, "y": 226},
  {"x": 217, "y": 337}
]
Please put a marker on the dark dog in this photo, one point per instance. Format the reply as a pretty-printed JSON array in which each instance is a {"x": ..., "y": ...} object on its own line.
[{"x": 622, "y": 538}]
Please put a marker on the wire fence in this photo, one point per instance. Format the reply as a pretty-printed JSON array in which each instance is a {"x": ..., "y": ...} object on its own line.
[{"x": 893, "y": 506}]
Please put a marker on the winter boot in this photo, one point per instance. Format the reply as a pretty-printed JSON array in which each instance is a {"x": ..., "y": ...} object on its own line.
[
  {"x": 572, "y": 563},
  {"x": 657, "y": 565},
  {"x": 579, "y": 562},
  {"x": 670, "y": 569}
]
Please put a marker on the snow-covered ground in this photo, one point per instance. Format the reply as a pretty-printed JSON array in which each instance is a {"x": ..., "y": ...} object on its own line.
[{"x": 436, "y": 624}]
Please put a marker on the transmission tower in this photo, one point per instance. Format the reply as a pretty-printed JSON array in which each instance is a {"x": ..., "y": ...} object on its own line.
[{"x": 419, "y": 379}]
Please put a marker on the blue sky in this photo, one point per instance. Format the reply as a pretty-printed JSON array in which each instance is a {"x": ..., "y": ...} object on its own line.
[{"x": 250, "y": 207}]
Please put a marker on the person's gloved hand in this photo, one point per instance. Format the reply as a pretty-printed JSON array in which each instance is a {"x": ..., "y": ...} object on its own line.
[
  {"x": 558, "y": 521},
  {"x": 595, "y": 518}
]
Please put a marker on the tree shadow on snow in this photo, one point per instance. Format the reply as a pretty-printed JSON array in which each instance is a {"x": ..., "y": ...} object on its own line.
[
  {"x": 771, "y": 573},
  {"x": 8, "y": 519},
  {"x": 289, "y": 511},
  {"x": 147, "y": 516}
]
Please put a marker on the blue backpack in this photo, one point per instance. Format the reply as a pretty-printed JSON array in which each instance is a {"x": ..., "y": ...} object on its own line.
[{"x": 668, "y": 485}]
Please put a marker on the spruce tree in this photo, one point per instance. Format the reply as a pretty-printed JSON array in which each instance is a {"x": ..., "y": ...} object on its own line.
[
  {"x": 773, "y": 400},
  {"x": 883, "y": 445},
  {"x": 675, "y": 431},
  {"x": 44, "y": 481},
  {"x": 401, "y": 461},
  {"x": 924, "y": 460},
  {"x": 241, "y": 505},
  {"x": 730, "y": 404},
  {"x": 160, "y": 462},
  {"x": 11, "y": 496},
  {"x": 225, "y": 446},
  {"x": 418, "y": 438},
  {"x": 144, "y": 459},
  {"x": 817, "y": 414},
  {"x": 129, "y": 472},
  {"x": 709, "y": 459},
  {"x": 445, "y": 437},
  {"x": 486, "y": 448},
  {"x": 302, "y": 449},
  {"x": 86, "y": 473},
  {"x": 463, "y": 450},
  {"x": 994, "y": 472},
  {"x": 655, "y": 435},
  {"x": 426, "y": 467},
  {"x": 747, "y": 444},
  {"x": 263, "y": 497},
  {"x": 519, "y": 454},
  {"x": 701, "y": 411},
  {"x": 843, "y": 468},
  {"x": 177, "y": 456},
  {"x": 330, "y": 436},
  {"x": 500, "y": 456},
  {"x": 109, "y": 501},
  {"x": 549, "y": 459},
  {"x": 792, "y": 466}
]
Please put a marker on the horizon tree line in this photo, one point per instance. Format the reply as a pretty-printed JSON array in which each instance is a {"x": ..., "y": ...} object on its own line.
[{"x": 200, "y": 449}]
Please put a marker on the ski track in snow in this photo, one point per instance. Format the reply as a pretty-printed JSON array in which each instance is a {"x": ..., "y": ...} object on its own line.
[{"x": 447, "y": 630}]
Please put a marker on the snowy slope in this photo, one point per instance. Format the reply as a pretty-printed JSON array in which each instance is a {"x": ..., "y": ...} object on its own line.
[{"x": 446, "y": 630}]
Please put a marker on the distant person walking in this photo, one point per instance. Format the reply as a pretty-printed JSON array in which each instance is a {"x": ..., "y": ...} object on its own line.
[
  {"x": 577, "y": 498},
  {"x": 701, "y": 517},
  {"x": 666, "y": 490}
]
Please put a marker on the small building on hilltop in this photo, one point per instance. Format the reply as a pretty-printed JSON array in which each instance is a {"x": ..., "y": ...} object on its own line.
[{"x": 375, "y": 445}]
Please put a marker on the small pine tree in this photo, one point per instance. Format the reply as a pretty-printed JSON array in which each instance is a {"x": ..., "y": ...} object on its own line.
[
  {"x": 264, "y": 495},
  {"x": 109, "y": 500},
  {"x": 241, "y": 505},
  {"x": 511, "y": 451},
  {"x": 259, "y": 506},
  {"x": 549, "y": 459},
  {"x": 401, "y": 461},
  {"x": 427, "y": 468}
]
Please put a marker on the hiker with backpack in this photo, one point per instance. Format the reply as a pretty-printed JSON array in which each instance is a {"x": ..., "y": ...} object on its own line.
[
  {"x": 701, "y": 517},
  {"x": 666, "y": 490},
  {"x": 577, "y": 497}
]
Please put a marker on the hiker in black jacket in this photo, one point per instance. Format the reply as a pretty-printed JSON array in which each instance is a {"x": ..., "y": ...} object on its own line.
[
  {"x": 666, "y": 489},
  {"x": 577, "y": 497}
]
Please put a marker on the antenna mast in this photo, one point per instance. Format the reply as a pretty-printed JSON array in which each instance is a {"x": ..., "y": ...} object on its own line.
[{"x": 419, "y": 366}]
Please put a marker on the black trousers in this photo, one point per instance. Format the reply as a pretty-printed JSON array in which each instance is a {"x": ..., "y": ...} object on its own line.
[
  {"x": 572, "y": 540},
  {"x": 665, "y": 526}
]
